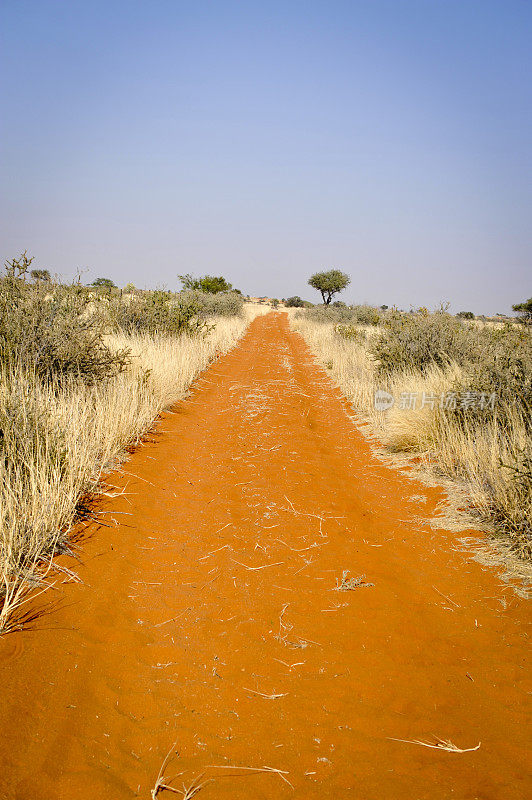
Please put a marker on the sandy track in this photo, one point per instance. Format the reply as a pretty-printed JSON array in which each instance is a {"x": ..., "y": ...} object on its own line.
[{"x": 216, "y": 587}]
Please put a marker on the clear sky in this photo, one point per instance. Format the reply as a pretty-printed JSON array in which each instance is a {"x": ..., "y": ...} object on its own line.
[{"x": 267, "y": 140}]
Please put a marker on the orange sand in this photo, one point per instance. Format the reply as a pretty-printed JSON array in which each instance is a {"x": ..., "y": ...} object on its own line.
[{"x": 217, "y": 586}]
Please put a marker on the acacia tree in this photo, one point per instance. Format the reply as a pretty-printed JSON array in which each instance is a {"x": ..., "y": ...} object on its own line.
[
  {"x": 294, "y": 302},
  {"x": 208, "y": 283},
  {"x": 525, "y": 311},
  {"x": 329, "y": 283},
  {"x": 40, "y": 275},
  {"x": 104, "y": 283}
]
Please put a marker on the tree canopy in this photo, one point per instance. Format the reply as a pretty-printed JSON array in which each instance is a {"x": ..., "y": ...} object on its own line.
[
  {"x": 294, "y": 302},
  {"x": 104, "y": 283},
  {"x": 40, "y": 275},
  {"x": 525, "y": 311},
  {"x": 207, "y": 283},
  {"x": 329, "y": 283}
]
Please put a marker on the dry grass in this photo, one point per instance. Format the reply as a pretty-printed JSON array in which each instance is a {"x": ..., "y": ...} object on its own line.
[
  {"x": 347, "y": 584},
  {"x": 63, "y": 438},
  {"x": 438, "y": 744},
  {"x": 163, "y": 783},
  {"x": 469, "y": 453}
]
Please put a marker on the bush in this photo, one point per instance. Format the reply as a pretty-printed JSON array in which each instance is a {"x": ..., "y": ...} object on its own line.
[
  {"x": 294, "y": 302},
  {"x": 365, "y": 315},
  {"x": 159, "y": 312},
  {"x": 173, "y": 314},
  {"x": 328, "y": 314},
  {"x": 500, "y": 362},
  {"x": 494, "y": 361},
  {"x": 351, "y": 332},
  {"x": 340, "y": 313},
  {"x": 414, "y": 341},
  {"x": 53, "y": 330},
  {"x": 208, "y": 283},
  {"x": 223, "y": 304}
]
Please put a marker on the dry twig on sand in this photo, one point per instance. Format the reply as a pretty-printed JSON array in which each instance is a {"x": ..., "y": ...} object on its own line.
[
  {"x": 290, "y": 666},
  {"x": 300, "y": 549},
  {"x": 445, "y": 597},
  {"x": 266, "y": 696},
  {"x": 439, "y": 744},
  {"x": 281, "y": 773},
  {"x": 223, "y": 547},
  {"x": 196, "y": 786},
  {"x": 160, "y": 783},
  {"x": 253, "y": 569},
  {"x": 348, "y": 584},
  {"x": 284, "y": 629}
]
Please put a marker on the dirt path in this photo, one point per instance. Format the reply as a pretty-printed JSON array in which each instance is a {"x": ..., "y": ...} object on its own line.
[{"x": 208, "y": 617}]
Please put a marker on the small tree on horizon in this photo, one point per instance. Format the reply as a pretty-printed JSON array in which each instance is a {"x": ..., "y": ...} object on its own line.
[
  {"x": 104, "y": 283},
  {"x": 208, "y": 283},
  {"x": 329, "y": 283},
  {"x": 40, "y": 275},
  {"x": 525, "y": 311}
]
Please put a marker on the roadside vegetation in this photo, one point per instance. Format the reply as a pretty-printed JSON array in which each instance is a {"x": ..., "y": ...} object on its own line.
[
  {"x": 84, "y": 371},
  {"x": 453, "y": 390}
]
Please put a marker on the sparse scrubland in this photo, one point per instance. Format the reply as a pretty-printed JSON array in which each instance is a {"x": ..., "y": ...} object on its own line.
[
  {"x": 462, "y": 395},
  {"x": 84, "y": 373}
]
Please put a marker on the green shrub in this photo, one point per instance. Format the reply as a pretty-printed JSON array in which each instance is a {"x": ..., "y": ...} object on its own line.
[
  {"x": 208, "y": 284},
  {"x": 159, "y": 312},
  {"x": 494, "y": 361},
  {"x": 413, "y": 341},
  {"x": 340, "y": 313},
  {"x": 500, "y": 362},
  {"x": 328, "y": 314},
  {"x": 223, "y": 304},
  {"x": 365, "y": 315},
  {"x": 352, "y": 333},
  {"x": 55, "y": 331},
  {"x": 173, "y": 314}
]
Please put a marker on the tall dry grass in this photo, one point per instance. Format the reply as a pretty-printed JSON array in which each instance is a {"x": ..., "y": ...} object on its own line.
[
  {"x": 57, "y": 439},
  {"x": 490, "y": 455}
]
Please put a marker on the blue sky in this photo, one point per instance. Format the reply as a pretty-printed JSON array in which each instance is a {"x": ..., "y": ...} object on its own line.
[{"x": 267, "y": 140}]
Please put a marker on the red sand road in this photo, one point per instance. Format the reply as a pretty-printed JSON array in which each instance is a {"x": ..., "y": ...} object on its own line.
[{"x": 208, "y": 617}]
